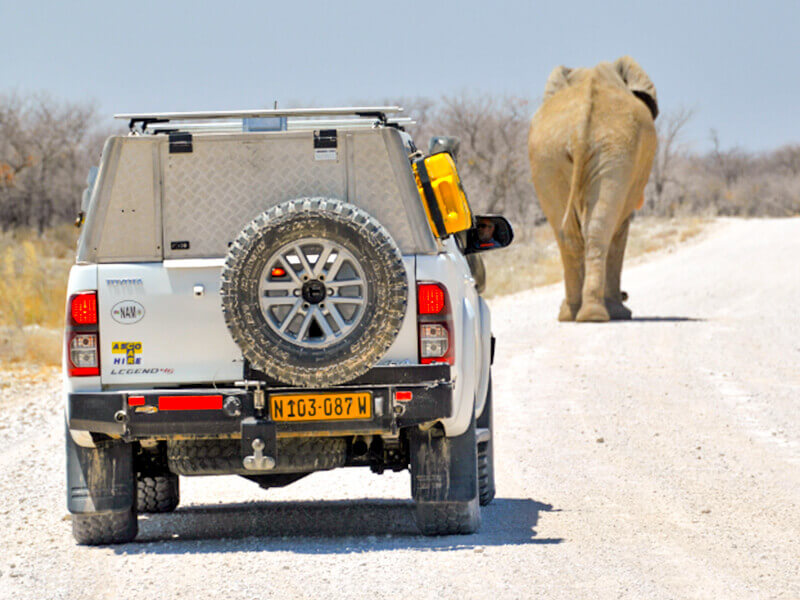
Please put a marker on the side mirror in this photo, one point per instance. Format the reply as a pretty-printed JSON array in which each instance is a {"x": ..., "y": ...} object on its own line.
[
  {"x": 490, "y": 232},
  {"x": 443, "y": 143}
]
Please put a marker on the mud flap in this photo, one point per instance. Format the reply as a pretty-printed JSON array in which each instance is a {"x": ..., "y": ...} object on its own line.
[
  {"x": 444, "y": 481},
  {"x": 100, "y": 479}
]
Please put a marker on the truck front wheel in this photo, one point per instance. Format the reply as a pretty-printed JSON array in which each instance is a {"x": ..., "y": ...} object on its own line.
[{"x": 157, "y": 494}]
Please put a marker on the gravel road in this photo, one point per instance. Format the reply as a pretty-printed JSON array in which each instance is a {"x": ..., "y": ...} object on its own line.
[{"x": 658, "y": 458}]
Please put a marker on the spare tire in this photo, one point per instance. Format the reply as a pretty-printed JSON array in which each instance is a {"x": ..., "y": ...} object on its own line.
[{"x": 314, "y": 292}]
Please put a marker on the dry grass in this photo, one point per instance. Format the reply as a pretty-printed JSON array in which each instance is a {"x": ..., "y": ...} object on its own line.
[
  {"x": 33, "y": 283},
  {"x": 535, "y": 261}
]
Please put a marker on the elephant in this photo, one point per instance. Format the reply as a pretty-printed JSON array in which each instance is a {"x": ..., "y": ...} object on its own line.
[{"x": 591, "y": 146}]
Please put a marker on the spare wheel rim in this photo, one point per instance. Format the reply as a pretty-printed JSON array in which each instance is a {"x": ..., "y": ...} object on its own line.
[{"x": 312, "y": 292}]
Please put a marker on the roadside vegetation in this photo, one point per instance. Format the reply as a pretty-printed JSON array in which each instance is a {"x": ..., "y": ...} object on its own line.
[
  {"x": 47, "y": 147},
  {"x": 33, "y": 283},
  {"x": 533, "y": 259}
]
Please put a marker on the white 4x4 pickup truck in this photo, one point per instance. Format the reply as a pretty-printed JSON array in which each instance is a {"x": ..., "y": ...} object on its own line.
[{"x": 269, "y": 294}]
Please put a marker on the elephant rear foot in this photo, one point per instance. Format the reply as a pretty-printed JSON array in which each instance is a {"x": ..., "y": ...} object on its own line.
[
  {"x": 567, "y": 311},
  {"x": 592, "y": 312},
  {"x": 617, "y": 311}
]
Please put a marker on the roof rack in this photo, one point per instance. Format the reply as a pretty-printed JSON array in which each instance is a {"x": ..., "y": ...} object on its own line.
[{"x": 371, "y": 112}]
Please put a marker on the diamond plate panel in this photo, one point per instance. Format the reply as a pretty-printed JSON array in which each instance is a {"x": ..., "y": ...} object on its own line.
[
  {"x": 131, "y": 229},
  {"x": 212, "y": 193},
  {"x": 376, "y": 189}
]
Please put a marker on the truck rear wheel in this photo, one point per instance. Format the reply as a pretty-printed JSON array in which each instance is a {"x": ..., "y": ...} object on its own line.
[
  {"x": 486, "y": 450},
  {"x": 105, "y": 528},
  {"x": 444, "y": 481},
  {"x": 101, "y": 492}
]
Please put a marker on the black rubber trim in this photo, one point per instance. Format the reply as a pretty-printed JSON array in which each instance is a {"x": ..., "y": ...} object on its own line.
[
  {"x": 430, "y": 198},
  {"x": 99, "y": 479}
]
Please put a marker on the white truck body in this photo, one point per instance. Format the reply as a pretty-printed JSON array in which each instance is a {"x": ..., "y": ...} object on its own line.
[{"x": 145, "y": 199}]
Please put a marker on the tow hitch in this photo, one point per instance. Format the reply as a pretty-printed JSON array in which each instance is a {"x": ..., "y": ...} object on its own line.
[
  {"x": 257, "y": 461},
  {"x": 260, "y": 437}
]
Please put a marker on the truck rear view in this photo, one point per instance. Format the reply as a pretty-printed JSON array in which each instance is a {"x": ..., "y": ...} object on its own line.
[{"x": 271, "y": 300}]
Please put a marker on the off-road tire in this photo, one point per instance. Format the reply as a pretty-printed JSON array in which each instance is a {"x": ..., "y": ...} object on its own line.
[
  {"x": 218, "y": 457},
  {"x": 486, "y": 474},
  {"x": 384, "y": 305},
  {"x": 158, "y": 494},
  {"x": 486, "y": 452},
  {"x": 448, "y": 518},
  {"x": 105, "y": 528},
  {"x": 444, "y": 482}
]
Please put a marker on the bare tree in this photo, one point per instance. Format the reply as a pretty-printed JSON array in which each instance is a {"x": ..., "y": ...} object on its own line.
[
  {"x": 46, "y": 148},
  {"x": 729, "y": 165},
  {"x": 787, "y": 159},
  {"x": 669, "y": 129},
  {"x": 493, "y": 160}
]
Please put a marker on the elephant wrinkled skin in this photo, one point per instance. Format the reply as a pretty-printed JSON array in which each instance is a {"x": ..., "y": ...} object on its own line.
[{"x": 591, "y": 145}]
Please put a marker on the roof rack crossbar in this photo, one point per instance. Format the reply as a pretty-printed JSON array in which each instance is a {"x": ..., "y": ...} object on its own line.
[{"x": 376, "y": 112}]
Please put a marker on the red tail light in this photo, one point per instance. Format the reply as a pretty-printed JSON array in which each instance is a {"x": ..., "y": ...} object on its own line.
[
  {"x": 83, "y": 308},
  {"x": 435, "y": 324},
  {"x": 430, "y": 298},
  {"x": 81, "y": 336}
]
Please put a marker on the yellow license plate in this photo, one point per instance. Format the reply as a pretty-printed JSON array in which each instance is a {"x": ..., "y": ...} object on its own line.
[{"x": 321, "y": 407}]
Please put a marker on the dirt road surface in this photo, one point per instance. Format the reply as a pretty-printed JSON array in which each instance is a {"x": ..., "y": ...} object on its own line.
[{"x": 658, "y": 458}]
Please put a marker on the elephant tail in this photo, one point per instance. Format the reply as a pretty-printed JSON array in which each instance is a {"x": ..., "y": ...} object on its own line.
[{"x": 580, "y": 146}]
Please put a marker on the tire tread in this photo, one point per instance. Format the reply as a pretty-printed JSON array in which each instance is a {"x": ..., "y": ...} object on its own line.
[
  {"x": 158, "y": 494},
  {"x": 448, "y": 518},
  {"x": 105, "y": 528}
]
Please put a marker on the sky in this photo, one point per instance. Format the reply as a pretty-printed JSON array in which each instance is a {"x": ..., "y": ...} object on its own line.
[{"x": 735, "y": 64}]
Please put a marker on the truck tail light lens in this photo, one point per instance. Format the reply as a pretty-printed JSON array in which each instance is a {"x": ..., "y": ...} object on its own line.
[
  {"x": 83, "y": 308},
  {"x": 82, "y": 336},
  {"x": 435, "y": 324},
  {"x": 430, "y": 298},
  {"x": 83, "y": 354},
  {"x": 433, "y": 341}
]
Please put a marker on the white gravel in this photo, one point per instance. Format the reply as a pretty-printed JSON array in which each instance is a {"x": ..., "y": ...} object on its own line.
[{"x": 658, "y": 458}]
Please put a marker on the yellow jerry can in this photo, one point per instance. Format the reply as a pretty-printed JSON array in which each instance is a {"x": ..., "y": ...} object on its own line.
[{"x": 442, "y": 194}]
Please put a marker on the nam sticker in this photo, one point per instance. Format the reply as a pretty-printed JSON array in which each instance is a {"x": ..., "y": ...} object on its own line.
[
  {"x": 127, "y": 312},
  {"x": 131, "y": 350}
]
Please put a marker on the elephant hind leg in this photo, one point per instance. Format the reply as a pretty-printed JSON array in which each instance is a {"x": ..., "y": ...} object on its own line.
[
  {"x": 568, "y": 311},
  {"x": 606, "y": 201},
  {"x": 571, "y": 249},
  {"x": 592, "y": 312},
  {"x": 614, "y": 297}
]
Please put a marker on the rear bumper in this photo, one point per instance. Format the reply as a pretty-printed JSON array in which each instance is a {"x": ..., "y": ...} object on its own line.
[{"x": 221, "y": 412}]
